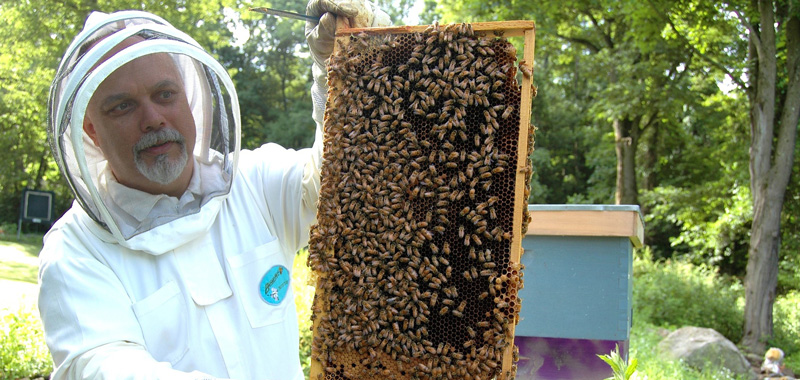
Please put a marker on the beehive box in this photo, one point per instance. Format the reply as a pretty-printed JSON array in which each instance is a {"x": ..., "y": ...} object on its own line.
[
  {"x": 423, "y": 203},
  {"x": 579, "y": 265}
]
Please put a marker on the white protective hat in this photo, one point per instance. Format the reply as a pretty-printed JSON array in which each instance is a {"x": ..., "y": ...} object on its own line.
[{"x": 209, "y": 90}]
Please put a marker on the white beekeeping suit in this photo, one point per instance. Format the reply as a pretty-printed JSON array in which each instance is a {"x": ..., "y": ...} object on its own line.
[{"x": 138, "y": 285}]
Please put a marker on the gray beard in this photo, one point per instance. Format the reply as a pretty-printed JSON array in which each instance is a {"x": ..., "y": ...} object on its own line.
[{"x": 163, "y": 171}]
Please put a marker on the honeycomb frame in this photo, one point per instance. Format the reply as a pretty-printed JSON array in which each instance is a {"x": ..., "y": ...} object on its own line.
[{"x": 407, "y": 218}]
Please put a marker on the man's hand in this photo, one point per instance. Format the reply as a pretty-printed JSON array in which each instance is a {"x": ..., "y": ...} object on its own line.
[{"x": 356, "y": 13}]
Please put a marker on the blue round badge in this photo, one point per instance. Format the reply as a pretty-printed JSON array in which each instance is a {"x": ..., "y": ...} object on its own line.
[{"x": 274, "y": 285}]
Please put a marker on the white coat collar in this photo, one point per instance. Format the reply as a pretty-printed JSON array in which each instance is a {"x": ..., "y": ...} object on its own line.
[
  {"x": 166, "y": 237},
  {"x": 139, "y": 204}
]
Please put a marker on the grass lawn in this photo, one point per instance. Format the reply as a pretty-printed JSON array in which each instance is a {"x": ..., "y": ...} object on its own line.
[
  {"x": 19, "y": 260},
  {"x": 19, "y": 266}
]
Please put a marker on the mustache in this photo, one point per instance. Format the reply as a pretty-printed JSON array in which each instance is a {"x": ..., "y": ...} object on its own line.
[{"x": 158, "y": 137}]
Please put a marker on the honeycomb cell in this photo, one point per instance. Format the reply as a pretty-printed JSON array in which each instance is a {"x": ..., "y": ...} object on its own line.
[{"x": 414, "y": 226}]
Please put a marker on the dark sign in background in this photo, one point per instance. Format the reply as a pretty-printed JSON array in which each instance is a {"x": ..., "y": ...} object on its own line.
[{"x": 36, "y": 207}]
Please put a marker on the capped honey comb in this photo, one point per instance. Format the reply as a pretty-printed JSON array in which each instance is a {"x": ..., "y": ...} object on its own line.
[{"x": 421, "y": 214}]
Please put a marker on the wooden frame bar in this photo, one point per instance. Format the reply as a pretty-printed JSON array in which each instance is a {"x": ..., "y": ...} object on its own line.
[
  {"x": 588, "y": 220},
  {"x": 506, "y": 28}
]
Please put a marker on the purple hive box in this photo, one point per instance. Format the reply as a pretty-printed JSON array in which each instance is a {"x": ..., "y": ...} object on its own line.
[
  {"x": 576, "y": 303},
  {"x": 559, "y": 358}
]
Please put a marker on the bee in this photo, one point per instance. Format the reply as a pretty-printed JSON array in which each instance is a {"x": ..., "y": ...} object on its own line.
[
  {"x": 526, "y": 69},
  {"x": 422, "y": 367},
  {"x": 453, "y": 195},
  {"x": 498, "y": 96},
  {"x": 471, "y": 254}
]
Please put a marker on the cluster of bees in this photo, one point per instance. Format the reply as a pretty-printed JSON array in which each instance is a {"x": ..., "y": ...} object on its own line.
[{"x": 415, "y": 220}]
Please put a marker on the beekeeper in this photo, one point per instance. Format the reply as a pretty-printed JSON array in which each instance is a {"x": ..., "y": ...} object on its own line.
[{"x": 174, "y": 261}]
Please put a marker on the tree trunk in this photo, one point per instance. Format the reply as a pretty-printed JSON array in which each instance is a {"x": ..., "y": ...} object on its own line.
[
  {"x": 37, "y": 181},
  {"x": 769, "y": 174},
  {"x": 648, "y": 167},
  {"x": 626, "y": 137},
  {"x": 282, "y": 73},
  {"x": 649, "y": 179}
]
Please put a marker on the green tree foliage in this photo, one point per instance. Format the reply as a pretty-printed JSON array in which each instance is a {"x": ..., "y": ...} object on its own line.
[
  {"x": 700, "y": 207},
  {"x": 608, "y": 63},
  {"x": 27, "y": 66},
  {"x": 771, "y": 62},
  {"x": 272, "y": 72}
]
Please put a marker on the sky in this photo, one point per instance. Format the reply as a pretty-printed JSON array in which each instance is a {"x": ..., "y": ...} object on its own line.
[{"x": 413, "y": 13}]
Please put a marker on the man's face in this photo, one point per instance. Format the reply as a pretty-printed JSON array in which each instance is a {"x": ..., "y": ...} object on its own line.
[{"x": 140, "y": 118}]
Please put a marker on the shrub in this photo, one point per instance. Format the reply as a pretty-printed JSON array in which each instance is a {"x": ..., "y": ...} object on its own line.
[
  {"x": 678, "y": 293},
  {"x": 786, "y": 319},
  {"x": 23, "y": 353}
]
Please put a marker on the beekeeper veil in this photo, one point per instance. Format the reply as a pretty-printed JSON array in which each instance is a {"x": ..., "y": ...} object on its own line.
[{"x": 100, "y": 49}]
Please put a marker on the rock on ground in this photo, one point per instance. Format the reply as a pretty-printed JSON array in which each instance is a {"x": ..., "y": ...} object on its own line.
[{"x": 699, "y": 347}]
